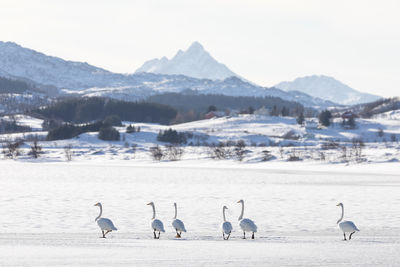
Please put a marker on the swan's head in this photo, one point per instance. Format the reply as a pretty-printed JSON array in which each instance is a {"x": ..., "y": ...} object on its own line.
[
  {"x": 175, "y": 204},
  {"x": 240, "y": 201},
  {"x": 340, "y": 204},
  {"x": 225, "y": 208},
  {"x": 150, "y": 203},
  {"x": 97, "y": 204}
]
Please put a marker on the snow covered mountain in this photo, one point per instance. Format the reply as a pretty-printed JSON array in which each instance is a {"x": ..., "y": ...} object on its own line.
[
  {"x": 83, "y": 79},
  {"x": 327, "y": 88},
  {"x": 194, "y": 62}
]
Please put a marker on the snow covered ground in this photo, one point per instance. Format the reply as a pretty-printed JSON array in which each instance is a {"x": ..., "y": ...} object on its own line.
[{"x": 47, "y": 213}]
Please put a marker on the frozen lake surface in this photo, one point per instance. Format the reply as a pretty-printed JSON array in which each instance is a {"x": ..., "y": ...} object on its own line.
[{"x": 47, "y": 215}]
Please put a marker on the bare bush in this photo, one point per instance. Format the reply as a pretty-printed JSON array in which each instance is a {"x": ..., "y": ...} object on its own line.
[
  {"x": 220, "y": 151},
  {"x": 174, "y": 153},
  {"x": 156, "y": 153},
  {"x": 266, "y": 155},
  {"x": 294, "y": 156},
  {"x": 358, "y": 145},
  {"x": 36, "y": 149},
  {"x": 68, "y": 152},
  {"x": 240, "y": 150},
  {"x": 330, "y": 144},
  {"x": 11, "y": 149},
  {"x": 343, "y": 150}
]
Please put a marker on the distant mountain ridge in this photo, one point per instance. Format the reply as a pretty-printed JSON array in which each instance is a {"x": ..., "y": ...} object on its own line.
[
  {"x": 195, "y": 62},
  {"x": 327, "y": 88},
  {"x": 86, "y": 80}
]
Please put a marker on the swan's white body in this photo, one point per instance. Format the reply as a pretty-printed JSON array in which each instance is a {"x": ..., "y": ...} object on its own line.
[
  {"x": 346, "y": 226},
  {"x": 246, "y": 225},
  {"x": 225, "y": 226},
  {"x": 178, "y": 225},
  {"x": 156, "y": 224},
  {"x": 105, "y": 224}
]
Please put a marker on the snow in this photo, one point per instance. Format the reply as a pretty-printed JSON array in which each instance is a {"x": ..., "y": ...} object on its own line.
[{"x": 48, "y": 214}]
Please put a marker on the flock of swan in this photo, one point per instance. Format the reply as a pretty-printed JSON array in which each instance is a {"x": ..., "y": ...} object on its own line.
[{"x": 247, "y": 225}]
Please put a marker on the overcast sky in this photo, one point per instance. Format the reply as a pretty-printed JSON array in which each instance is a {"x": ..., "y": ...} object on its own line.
[{"x": 357, "y": 42}]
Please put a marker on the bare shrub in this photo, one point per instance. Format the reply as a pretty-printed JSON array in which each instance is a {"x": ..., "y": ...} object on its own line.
[
  {"x": 330, "y": 144},
  {"x": 358, "y": 145},
  {"x": 11, "y": 149},
  {"x": 174, "y": 152},
  {"x": 294, "y": 156},
  {"x": 240, "y": 150},
  {"x": 343, "y": 150},
  {"x": 36, "y": 149},
  {"x": 266, "y": 155},
  {"x": 220, "y": 151},
  {"x": 68, "y": 152},
  {"x": 281, "y": 152},
  {"x": 156, "y": 153}
]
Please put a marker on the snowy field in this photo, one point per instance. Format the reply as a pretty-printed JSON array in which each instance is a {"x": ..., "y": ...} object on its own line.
[{"x": 47, "y": 213}]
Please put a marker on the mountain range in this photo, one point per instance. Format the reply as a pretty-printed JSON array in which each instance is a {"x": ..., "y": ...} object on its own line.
[
  {"x": 195, "y": 62},
  {"x": 327, "y": 88},
  {"x": 80, "y": 78}
]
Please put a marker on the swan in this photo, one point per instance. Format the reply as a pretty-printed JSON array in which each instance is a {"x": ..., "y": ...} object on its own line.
[
  {"x": 247, "y": 225},
  {"x": 156, "y": 224},
  {"x": 225, "y": 226},
  {"x": 346, "y": 226},
  {"x": 106, "y": 225},
  {"x": 178, "y": 224}
]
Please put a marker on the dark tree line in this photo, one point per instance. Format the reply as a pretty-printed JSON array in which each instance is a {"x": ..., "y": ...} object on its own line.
[
  {"x": 202, "y": 103},
  {"x": 9, "y": 86},
  {"x": 94, "y": 108}
]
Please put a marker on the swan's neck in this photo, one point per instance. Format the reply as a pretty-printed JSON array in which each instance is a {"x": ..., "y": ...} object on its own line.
[
  {"x": 176, "y": 212},
  {"x": 341, "y": 218},
  {"x": 101, "y": 212},
  {"x": 154, "y": 212},
  {"x": 241, "y": 214},
  {"x": 223, "y": 214}
]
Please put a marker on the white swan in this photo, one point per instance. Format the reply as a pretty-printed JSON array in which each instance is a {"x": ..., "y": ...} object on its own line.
[
  {"x": 156, "y": 224},
  {"x": 346, "y": 226},
  {"x": 247, "y": 225},
  {"x": 106, "y": 225},
  {"x": 178, "y": 224},
  {"x": 225, "y": 226}
]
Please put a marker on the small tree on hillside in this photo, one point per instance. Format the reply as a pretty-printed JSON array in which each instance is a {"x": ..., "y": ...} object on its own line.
[
  {"x": 325, "y": 118},
  {"x": 211, "y": 108},
  {"x": 300, "y": 118}
]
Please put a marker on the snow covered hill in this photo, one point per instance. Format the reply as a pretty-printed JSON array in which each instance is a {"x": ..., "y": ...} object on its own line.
[
  {"x": 194, "y": 62},
  {"x": 87, "y": 80},
  {"x": 327, "y": 88}
]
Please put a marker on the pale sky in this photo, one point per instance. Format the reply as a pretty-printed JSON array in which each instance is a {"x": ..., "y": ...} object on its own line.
[{"x": 357, "y": 42}]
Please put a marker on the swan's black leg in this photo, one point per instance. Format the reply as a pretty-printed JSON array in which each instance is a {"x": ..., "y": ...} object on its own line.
[
  {"x": 344, "y": 234},
  {"x": 107, "y": 232},
  {"x": 351, "y": 235},
  {"x": 252, "y": 236},
  {"x": 104, "y": 236},
  {"x": 223, "y": 235},
  {"x": 155, "y": 237},
  {"x": 180, "y": 234},
  {"x": 228, "y": 236},
  {"x": 244, "y": 235},
  {"x": 158, "y": 235}
]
